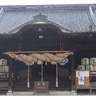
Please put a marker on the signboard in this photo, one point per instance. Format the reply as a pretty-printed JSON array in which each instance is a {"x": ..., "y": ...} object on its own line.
[
  {"x": 82, "y": 78},
  {"x": 41, "y": 87},
  {"x": 82, "y": 73}
]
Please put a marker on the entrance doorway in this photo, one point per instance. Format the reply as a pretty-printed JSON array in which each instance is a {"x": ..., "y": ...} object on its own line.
[
  {"x": 41, "y": 37},
  {"x": 49, "y": 74}
]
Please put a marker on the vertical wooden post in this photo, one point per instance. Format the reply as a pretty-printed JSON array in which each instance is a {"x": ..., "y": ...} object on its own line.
[
  {"x": 10, "y": 75},
  {"x": 72, "y": 73},
  {"x": 56, "y": 75},
  {"x": 20, "y": 44},
  {"x": 61, "y": 44},
  {"x": 42, "y": 72},
  {"x": 28, "y": 79}
]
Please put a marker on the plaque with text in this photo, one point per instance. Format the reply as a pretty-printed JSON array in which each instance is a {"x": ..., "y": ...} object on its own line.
[
  {"x": 41, "y": 87},
  {"x": 82, "y": 78}
]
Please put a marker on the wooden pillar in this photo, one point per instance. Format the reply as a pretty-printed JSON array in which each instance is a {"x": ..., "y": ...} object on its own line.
[
  {"x": 72, "y": 73},
  {"x": 42, "y": 72},
  {"x": 10, "y": 75}
]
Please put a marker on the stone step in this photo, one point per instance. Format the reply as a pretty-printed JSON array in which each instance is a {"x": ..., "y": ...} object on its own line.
[{"x": 53, "y": 93}]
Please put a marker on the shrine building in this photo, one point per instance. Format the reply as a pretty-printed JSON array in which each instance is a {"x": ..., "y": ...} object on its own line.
[{"x": 47, "y": 43}]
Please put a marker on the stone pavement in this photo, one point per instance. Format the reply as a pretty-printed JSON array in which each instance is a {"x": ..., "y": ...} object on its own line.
[{"x": 51, "y": 93}]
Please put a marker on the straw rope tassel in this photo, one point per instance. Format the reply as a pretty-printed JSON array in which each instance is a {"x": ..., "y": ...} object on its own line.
[
  {"x": 42, "y": 72},
  {"x": 56, "y": 75},
  {"x": 28, "y": 79}
]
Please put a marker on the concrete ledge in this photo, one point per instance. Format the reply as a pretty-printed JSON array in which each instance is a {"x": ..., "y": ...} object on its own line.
[
  {"x": 73, "y": 92},
  {"x": 9, "y": 93},
  {"x": 52, "y": 93},
  {"x": 60, "y": 92},
  {"x": 23, "y": 93},
  {"x": 47, "y": 95}
]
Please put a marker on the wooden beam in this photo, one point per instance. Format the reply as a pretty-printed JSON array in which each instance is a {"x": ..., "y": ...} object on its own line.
[{"x": 38, "y": 51}]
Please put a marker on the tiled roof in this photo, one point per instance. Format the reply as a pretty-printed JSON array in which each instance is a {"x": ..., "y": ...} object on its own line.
[{"x": 71, "y": 18}]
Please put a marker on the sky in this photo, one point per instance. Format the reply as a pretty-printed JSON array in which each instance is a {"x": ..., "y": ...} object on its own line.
[{"x": 43, "y": 2}]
